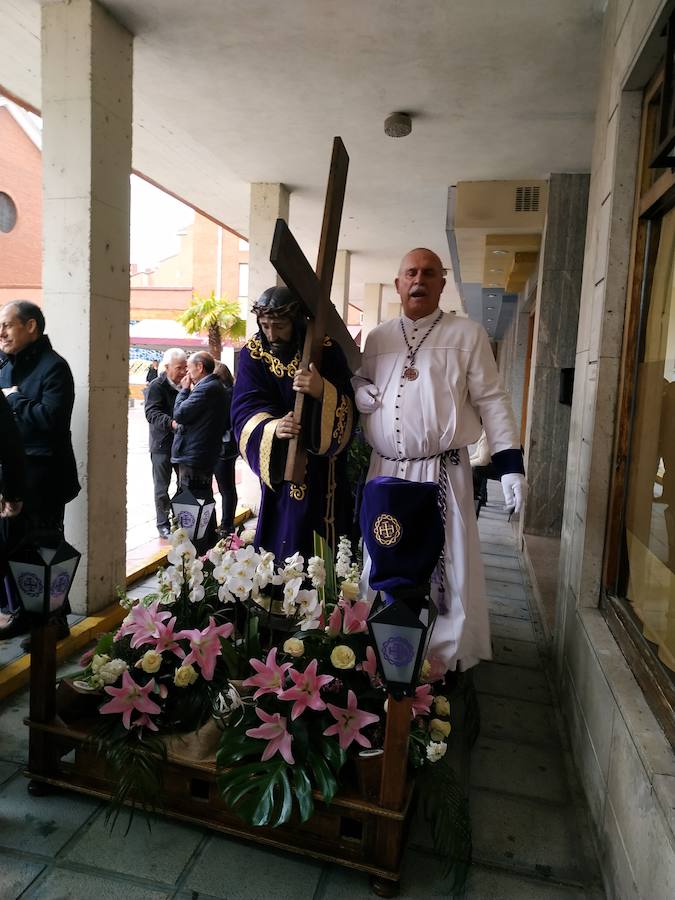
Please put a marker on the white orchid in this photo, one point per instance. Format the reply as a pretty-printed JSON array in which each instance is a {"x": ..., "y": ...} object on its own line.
[
  {"x": 291, "y": 589},
  {"x": 239, "y": 587},
  {"x": 196, "y": 595},
  {"x": 265, "y": 569},
  {"x": 179, "y": 536},
  {"x": 307, "y": 602},
  {"x": 294, "y": 568}
]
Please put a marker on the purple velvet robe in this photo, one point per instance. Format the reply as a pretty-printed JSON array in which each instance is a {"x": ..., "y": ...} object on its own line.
[{"x": 263, "y": 393}]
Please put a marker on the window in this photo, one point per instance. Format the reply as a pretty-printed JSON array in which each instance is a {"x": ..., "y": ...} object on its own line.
[
  {"x": 639, "y": 575},
  {"x": 7, "y": 213}
]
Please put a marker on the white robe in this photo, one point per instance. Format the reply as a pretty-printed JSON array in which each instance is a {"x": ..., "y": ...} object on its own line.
[{"x": 458, "y": 385}]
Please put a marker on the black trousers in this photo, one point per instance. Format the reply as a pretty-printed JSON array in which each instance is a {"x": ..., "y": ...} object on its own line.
[
  {"x": 224, "y": 473},
  {"x": 161, "y": 476}
]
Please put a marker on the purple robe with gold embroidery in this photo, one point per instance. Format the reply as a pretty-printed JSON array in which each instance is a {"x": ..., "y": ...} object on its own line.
[{"x": 263, "y": 394}]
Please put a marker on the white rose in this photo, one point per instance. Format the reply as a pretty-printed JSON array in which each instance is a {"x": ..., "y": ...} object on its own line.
[
  {"x": 247, "y": 536},
  {"x": 111, "y": 671},
  {"x": 98, "y": 660},
  {"x": 184, "y": 676},
  {"x": 294, "y": 647},
  {"x": 150, "y": 661}
]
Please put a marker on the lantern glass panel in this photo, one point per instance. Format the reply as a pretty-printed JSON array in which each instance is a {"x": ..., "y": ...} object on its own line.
[
  {"x": 29, "y": 578},
  {"x": 61, "y": 576},
  {"x": 399, "y": 648},
  {"x": 207, "y": 510}
]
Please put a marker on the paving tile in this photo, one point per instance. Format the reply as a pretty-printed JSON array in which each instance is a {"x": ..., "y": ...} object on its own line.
[
  {"x": 240, "y": 871},
  {"x": 8, "y": 770},
  {"x": 505, "y": 590},
  {"x": 493, "y": 884},
  {"x": 511, "y": 681},
  {"x": 518, "y": 768},
  {"x": 518, "y": 720},
  {"x": 514, "y": 609},
  {"x": 503, "y": 573},
  {"x": 495, "y": 561},
  {"x": 14, "y": 744},
  {"x": 508, "y": 627},
  {"x": 159, "y": 854},
  {"x": 42, "y": 823},
  {"x": 16, "y": 874},
  {"x": 527, "y": 835},
  {"x": 67, "y": 884},
  {"x": 10, "y": 650},
  {"x": 512, "y": 652}
]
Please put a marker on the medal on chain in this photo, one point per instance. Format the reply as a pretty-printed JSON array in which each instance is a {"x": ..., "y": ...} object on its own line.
[{"x": 411, "y": 372}]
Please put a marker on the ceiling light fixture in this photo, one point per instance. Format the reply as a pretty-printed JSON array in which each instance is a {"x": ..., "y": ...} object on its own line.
[
  {"x": 500, "y": 252},
  {"x": 490, "y": 308},
  {"x": 492, "y": 296},
  {"x": 398, "y": 124},
  {"x": 495, "y": 270}
]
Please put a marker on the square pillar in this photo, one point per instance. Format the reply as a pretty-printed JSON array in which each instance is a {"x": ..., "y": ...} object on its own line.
[
  {"x": 86, "y": 158},
  {"x": 269, "y": 202},
  {"x": 339, "y": 293},
  {"x": 372, "y": 309}
]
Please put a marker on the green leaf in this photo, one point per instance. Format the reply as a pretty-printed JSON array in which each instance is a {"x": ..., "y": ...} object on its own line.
[
  {"x": 259, "y": 792},
  {"x": 303, "y": 792},
  {"x": 323, "y": 776}
]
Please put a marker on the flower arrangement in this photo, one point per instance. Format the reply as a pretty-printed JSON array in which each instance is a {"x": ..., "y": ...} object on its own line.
[{"x": 278, "y": 655}]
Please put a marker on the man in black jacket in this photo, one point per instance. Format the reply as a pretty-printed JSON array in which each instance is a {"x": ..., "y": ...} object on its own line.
[
  {"x": 38, "y": 386},
  {"x": 12, "y": 485},
  {"x": 160, "y": 398},
  {"x": 201, "y": 414}
]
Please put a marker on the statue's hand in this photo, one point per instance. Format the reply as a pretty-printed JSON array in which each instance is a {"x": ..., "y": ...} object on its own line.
[
  {"x": 287, "y": 428},
  {"x": 309, "y": 381}
]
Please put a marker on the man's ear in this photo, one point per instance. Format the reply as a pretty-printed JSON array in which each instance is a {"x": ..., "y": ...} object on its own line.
[
  {"x": 396, "y": 285},
  {"x": 31, "y": 326}
]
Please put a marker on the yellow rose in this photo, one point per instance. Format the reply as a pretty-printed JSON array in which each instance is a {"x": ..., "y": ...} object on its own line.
[
  {"x": 438, "y": 729},
  {"x": 350, "y": 590},
  {"x": 343, "y": 657},
  {"x": 184, "y": 676},
  {"x": 425, "y": 671},
  {"x": 294, "y": 647},
  {"x": 151, "y": 661},
  {"x": 441, "y": 706}
]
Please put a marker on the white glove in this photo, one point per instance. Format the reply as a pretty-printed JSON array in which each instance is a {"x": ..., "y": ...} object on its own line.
[
  {"x": 366, "y": 395},
  {"x": 515, "y": 491}
]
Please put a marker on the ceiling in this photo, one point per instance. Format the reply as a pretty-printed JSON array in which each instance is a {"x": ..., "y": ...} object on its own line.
[{"x": 229, "y": 92}]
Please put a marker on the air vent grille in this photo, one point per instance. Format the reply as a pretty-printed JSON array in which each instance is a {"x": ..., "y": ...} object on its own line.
[{"x": 527, "y": 198}]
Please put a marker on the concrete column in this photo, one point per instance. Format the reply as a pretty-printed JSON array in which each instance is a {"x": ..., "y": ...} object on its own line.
[
  {"x": 372, "y": 309},
  {"x": 339, "y": 293},
  {"x": 269, "y": 202},
  {"x": 86, "y": 157},
  {"x": 553, "y": 348}
]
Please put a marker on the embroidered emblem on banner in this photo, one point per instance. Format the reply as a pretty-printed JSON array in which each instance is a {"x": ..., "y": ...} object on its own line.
[{"x": 387, "y": 530}]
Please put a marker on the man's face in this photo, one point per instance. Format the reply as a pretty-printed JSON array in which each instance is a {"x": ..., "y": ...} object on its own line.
[
  {"x": 195, "y": 371},
  {"x": 420, "y": 283},
  {"x": 14, "y": 334},
  {"x": 176, "y": 369},
  {"x": 276, "y": 330}
]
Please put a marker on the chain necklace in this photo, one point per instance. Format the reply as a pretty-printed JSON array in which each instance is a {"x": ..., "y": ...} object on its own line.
[{"x": 410, "y": 372}]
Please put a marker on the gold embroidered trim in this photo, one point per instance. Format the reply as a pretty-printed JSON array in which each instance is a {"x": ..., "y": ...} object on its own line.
[
  {"x": 327, "y": 342},
  {"x": 266, "y": 442},
  {"x": 343, "y": 428},
  {"x": 297, "y": 491},
  {"x": 249, "y": 428},
  {"x": 328, "y": 406},
  {"x": 275, "y": 365}
]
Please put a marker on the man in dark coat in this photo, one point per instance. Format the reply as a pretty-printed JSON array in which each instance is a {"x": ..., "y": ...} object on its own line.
[
  {"x": 38, "y": 386},
  {"x": 268, "y": 379},
  {"x": 160, "y": 398},
  {"x": 12, "y": 484}
]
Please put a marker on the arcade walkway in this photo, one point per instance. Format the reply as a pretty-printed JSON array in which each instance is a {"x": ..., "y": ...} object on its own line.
[{"x": 530, "y": 832}]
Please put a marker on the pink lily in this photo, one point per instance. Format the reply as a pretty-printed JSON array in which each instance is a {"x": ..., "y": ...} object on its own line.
[
  {"x": 334, "y": 622},
  {"x": 205, "y": 645},
  {"x": 166, "y": 638},
  {"x": 145, "y": 721},
  {"x": 142, "y": 623},
  {"x": 274, "y": 730},
  {"x": 369, "y": 666},
  {"x": 349, "y": 723},
  {"x": 355, "y": 615},
  {"x": 306, "y": 689},
  {"x": 421, "y": 702},
  {"x": 270, "y": 677},
  {"x": 130, "y": 697}
]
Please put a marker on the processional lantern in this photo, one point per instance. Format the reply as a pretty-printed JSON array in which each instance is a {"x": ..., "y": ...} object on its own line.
[
  {"x": 192, "y": 513},
  {"x": 403, "y": 531},
  {"x": 43, "y": 576},
  {"x": 400, "y": 627}
]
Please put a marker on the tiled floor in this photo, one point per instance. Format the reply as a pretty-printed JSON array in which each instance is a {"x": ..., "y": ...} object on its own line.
[{"x": 529, "y": 825}]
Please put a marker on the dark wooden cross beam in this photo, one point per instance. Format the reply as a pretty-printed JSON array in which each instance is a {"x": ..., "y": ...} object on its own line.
[{"x": 313, "y": 290}]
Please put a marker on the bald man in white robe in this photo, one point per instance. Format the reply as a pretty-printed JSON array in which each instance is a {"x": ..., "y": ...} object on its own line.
[{"x": 425, "y": 383}]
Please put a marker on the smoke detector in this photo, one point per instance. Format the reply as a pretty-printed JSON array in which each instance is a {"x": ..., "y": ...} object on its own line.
[{"x": 398, "y": 125}]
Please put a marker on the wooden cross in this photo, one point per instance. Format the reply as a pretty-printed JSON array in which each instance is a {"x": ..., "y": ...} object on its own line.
[{"x": 312, "y": 288}]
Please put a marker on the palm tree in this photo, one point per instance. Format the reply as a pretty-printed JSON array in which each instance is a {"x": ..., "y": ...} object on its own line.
[{"x": 218, "y": 316}]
